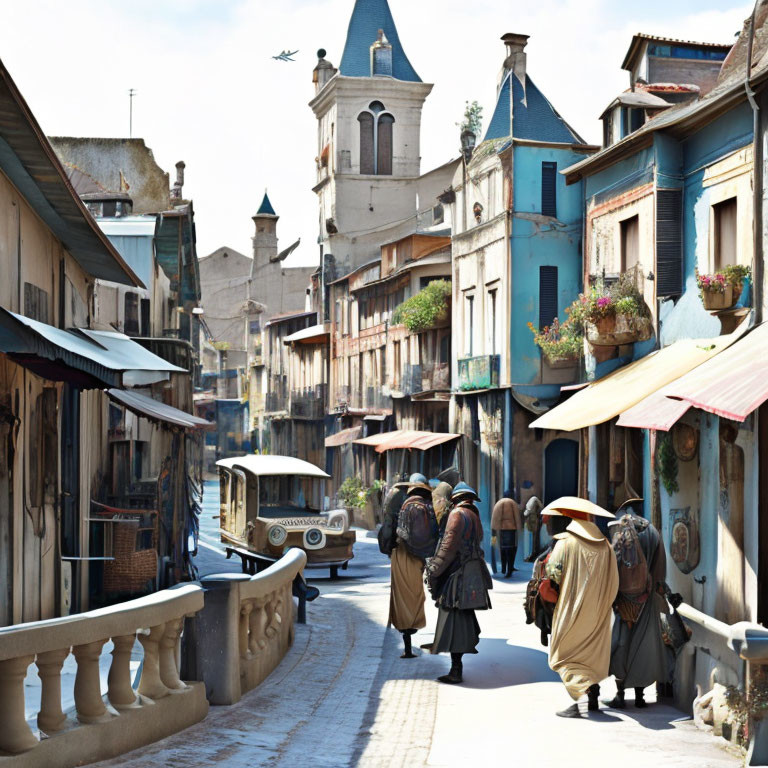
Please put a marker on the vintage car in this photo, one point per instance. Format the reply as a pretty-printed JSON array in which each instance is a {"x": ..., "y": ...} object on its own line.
[{"x": 271, "y": 503}]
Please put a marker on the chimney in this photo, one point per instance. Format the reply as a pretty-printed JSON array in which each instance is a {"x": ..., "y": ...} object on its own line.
[
  {"x": 179, "y": 183},
  {"x": 515, "y": 59}
]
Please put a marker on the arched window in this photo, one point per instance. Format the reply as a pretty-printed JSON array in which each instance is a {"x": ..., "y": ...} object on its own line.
[
  {"x": 366, "y": 121},
  {"x": 376, "y": 140}
]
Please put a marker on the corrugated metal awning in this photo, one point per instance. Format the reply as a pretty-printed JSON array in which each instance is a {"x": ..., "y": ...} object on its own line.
[
  {"x": 407, "y": 439},
  {"x": 110, "y": 358},
  {"x": 733, "y": 385},
  {"x": 605, "y": 399},
  {"x": 315, "y": 333},
  {"x": 343, "y": 437},
  {"x": 156, "y": 411}
]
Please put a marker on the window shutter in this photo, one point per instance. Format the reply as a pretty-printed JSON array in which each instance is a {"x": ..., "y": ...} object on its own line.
[
  {"x": 366, "y": 143},
  {"x": 547, "y": 295},
  {"x": 669, "y": 242},
  {"x": 385, "y": 145},
  {"x": 549, "y": 189}
]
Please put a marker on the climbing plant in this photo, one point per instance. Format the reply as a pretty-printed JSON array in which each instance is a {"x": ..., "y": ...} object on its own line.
[
  {"x": 425, "y": 308},
  {"x": 668, "y": 465}
]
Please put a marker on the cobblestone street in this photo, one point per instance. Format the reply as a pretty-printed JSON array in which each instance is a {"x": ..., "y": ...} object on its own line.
[{"x": 344, "y": 697}]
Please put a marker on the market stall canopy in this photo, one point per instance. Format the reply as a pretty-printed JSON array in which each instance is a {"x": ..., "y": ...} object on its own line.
[
  {"x": 605, "y": 399},
  {"x": 731, "y": 385},
  {"x": 156, "y": 411},
  {"x": 343, "y": 437},
  {"x": 89, "y": 358},
  {"x": 272, "y": 465},
  {"x": 406, "y": 438},
  {"x": 314, "y": 334}
]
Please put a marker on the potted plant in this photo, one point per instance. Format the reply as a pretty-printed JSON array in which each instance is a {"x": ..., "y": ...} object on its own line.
[
  {"x": 616, "y": 315},
  {"x": 426, "y": 309},
  {"x": 354, "y": 495},
  {"x": 561, "y": 344},
  {"x": 721, "y": 290}
]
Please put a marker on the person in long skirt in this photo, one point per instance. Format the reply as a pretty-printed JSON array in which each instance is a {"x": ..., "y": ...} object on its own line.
[
  {"x": 458, "y": 631},
  {"x": 416, "y": 540}
]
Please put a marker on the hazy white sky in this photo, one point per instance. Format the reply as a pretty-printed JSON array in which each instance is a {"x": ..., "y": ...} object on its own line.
[{"x": 209, "y": 93}]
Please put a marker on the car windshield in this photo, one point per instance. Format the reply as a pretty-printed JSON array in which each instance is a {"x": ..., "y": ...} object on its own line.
[{"x": 290, "y": 494}]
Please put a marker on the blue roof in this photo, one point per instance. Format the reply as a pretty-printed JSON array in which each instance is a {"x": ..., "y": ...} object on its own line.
[
  {"x": 368, "y": 17},
  {"x": 266, "y": 207},
  {"x": 535, "y": 117}
]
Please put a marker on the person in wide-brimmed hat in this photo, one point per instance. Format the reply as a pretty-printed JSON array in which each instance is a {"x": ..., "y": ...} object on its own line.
[
  {"x": 416, "y": 538},
  {"x": 583, "y": 567},
  {"x": 456, "y": 592}
]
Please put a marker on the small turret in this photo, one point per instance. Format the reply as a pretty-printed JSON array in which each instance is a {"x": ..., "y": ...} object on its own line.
[
  {"x": 323, "y": 72},
  {"x": 265, "y": 237}
]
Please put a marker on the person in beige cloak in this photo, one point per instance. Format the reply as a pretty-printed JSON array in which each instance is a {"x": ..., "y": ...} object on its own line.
[{"x": 583, "y": 567}]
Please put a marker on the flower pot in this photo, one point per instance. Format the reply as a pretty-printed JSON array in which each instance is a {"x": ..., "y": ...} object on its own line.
[
  {"x": 561, "y": 362},
  {"x": 615, "y": 330},
  {"x": 717, "y": 300}
]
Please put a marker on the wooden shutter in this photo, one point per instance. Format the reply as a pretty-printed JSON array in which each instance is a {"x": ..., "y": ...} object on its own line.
[
  {"x": 549, "y": 189},
  {"x": 366, "y": 143},
  {"x": 669, "y": 242},
  {"x": 385, "y": 145},
  {"x": 547, "y": 295}
]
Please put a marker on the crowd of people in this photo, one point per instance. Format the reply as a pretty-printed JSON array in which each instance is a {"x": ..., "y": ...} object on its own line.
[{"x": 598, "y": 599}]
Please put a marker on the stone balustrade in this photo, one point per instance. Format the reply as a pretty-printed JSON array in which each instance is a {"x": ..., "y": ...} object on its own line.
[
  {"x": 738, "y": 650},
  {"x": 99, "y": 727},
  {"x": 245, "y": 628}
]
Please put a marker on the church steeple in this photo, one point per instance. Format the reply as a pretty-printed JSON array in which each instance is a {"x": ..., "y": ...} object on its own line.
[
  {"x": 266, "y": 206},
  {"x": 265, "y": 237},
  {"x": 372, "y": 24}
]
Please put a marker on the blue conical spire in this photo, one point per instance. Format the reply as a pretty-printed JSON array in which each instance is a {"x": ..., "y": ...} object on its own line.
[
  {"x": 266, "y": 206},
  {"x": 368, "y": 17}
]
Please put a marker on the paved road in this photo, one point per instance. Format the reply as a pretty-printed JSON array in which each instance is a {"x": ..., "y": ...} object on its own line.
[{"x": 343, "y": 697}]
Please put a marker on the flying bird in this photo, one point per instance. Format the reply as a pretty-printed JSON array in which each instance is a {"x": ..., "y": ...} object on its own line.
[{"x": 285, "y": 56}]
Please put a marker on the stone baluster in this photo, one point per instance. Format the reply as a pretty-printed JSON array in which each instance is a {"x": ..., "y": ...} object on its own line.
[
  {"x": 257, "y": 641},
  {"x": 169, "y": 667},
  {"x": 275, "y": 619},
  {"x": 245, "y": 612},
  {"x": 88, "y": 702},
  {"x": 120, "y": 692},
  {"x": 51, "y": 718},
  {"x": 15, "y": 735},
  {"x": 151, "y": 684}
]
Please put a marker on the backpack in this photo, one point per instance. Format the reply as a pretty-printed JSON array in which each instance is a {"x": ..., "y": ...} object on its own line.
[
  {"x": 387, "y": 534},
  {"x": 633, "y": 567}
]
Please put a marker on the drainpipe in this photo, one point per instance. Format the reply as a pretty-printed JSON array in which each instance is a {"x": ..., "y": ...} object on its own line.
[{"x": 757, "y": 186}]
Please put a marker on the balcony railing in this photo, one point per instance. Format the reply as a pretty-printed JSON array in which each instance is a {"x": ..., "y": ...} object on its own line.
[
  {"x": 309, "y": 403},
  {"x": 479, "y": 372},
  {"x": 368, "y": 398},
  {"x": 426, "y": 378},
  {"x": 277, "y": 394}
]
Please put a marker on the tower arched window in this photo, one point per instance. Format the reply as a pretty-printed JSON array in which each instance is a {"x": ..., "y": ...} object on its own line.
[{"x": 376, "y": 140}]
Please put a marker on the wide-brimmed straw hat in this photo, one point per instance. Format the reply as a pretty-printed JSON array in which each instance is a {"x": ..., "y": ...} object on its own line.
[
  {"x": 566, "y": 504},
  {"x": 417, "y": 480}
]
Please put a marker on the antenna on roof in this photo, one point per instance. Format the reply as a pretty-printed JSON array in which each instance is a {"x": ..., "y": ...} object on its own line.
[{"x": 131, "y": 94}]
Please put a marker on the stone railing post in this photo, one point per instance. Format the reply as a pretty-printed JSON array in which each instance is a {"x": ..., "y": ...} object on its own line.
[
  {"x": 120, "y": 691},
  {"x": 88, "y": 702},
  {"x": 258, "y": 626},
  {"x": 51, "y": 718},
  {"x": 151, "y": 685},
  {"x": 217, "y": 633},
  {"x": 243, "y": 625},
  {"x": 169, "y": 662},
  {"x": 15, "y": 735}
]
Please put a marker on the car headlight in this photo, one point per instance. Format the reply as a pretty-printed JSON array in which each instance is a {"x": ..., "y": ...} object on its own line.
[
  {"x": 277, "y": 535},
  {"x": 314, "y": 538}
]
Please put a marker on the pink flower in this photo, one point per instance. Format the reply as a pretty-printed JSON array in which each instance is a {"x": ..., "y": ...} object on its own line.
[{"x": 603, "y": 302}]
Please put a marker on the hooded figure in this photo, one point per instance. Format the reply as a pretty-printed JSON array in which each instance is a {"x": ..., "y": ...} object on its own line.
[
  {"x": 416, "y": 540},
  {"x": 583, "y": 567},
  {"x": 638, "y": 654},
  {"x": 458, "y": 577}
]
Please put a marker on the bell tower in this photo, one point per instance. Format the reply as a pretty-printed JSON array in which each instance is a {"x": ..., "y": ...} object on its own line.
[{"x": 368, "y": 159}]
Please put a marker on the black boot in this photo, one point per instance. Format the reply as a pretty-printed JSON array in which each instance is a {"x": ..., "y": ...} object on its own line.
[
  {"x": 408, "y": 652},
  {"x": 454, "y": 676},
  {"x": 593, "y": 692},
  {"x": 512, "y": 556},
  {"x": 640, "y": 701},
  {"x": 617, "y": 702},
  {"x": 504, "y": 555}
]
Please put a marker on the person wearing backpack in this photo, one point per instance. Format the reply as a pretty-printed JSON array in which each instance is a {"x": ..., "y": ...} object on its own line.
[
  {"x": 459, "y": 581},
  {"x": 638, "y": 654},
  {"x": 583, "y": 567},
  {"x": 415, "y": 541}
]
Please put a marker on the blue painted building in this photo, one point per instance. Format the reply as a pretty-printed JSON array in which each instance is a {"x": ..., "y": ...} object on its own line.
[{"x": 517, "y": 260}]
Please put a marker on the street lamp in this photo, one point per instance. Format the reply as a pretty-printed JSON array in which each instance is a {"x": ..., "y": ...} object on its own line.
[{"x": 468, "y": 140}]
